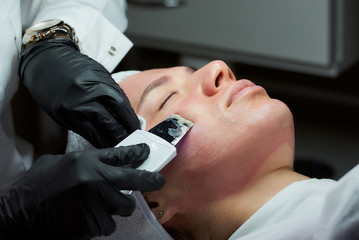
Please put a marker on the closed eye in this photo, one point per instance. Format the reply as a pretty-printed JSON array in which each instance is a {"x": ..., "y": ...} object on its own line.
[{"x": 166, "y": 100}]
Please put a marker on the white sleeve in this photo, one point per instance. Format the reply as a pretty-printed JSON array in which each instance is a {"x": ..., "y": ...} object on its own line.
[{"x": 99, "y": 24}]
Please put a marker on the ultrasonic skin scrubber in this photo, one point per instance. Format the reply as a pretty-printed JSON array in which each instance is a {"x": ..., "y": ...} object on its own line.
[{"x": 162, "y": 140}]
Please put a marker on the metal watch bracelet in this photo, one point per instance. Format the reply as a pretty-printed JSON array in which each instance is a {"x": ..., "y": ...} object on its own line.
[{"x": 51, "y": 29}]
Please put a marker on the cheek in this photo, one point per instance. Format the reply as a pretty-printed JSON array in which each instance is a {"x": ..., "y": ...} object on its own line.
[
  {"x": 198, "y": 154},
  {"x": 225, "y": 151},
  {"x": 195, "y": 147},
  {"x": 192, "y": 152},
  {"x": 249, "y": 135}
]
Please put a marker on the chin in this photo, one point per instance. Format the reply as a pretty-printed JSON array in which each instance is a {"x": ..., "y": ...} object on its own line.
[
  {"x": 283, "y": 113},
  {"x": 274, "y": 108},
  {"x": 273, "y": 123},
  {"x": 282, "y": 124}
]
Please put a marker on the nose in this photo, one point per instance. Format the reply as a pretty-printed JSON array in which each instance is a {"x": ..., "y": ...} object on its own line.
[{"x": 215, "y": 75}]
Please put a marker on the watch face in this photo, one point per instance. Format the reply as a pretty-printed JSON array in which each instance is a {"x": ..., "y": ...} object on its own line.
[{"x": 42, "y": 26}]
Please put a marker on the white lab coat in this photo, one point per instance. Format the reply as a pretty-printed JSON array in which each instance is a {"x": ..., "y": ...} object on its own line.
[{"x": 99, "y": 24}]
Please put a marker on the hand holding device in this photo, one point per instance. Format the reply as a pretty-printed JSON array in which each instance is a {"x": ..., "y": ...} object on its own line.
[{"x": 73, "y": 196}]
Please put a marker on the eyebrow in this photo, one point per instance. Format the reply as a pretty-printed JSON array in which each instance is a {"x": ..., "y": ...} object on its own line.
[{"x": 155, "y": 84}]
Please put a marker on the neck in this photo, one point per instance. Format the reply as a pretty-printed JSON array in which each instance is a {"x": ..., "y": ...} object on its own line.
[{"x": 220, "y": 219}]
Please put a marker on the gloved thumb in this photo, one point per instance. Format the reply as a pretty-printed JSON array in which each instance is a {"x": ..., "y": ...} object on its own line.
[
  {"x": 125, "y": 156},
  {"x": 133, "y": 179}
]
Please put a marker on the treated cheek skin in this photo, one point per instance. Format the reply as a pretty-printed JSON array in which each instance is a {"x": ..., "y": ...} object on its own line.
[
  {"x": 227, "y": 163},
  {"x": 192, "y": 147}
]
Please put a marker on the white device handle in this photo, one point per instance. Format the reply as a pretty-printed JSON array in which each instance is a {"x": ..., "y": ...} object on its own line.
[{"x": 161, "y": 151}]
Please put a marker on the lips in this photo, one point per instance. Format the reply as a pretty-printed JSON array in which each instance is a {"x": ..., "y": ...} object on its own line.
[{"x": 237, "y": 90}]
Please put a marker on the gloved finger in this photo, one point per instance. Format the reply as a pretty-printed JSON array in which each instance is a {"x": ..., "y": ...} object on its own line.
[
  {"x": 132, "y": 156},
  {"x": 98, "y": 125},
  {"x": 109, "y": 130},
  {"x": 105, "y": 225},
  {"x": 118, "y": 104},
  {"x": 78, "y": 120},
  {"x": 116, "y": 202},
  {"x": 88, "y": 204},
  {"x": 102, "y": 222},
  {"x": 133, "y": 179}
]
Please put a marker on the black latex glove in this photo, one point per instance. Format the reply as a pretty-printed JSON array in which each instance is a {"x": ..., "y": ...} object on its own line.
[
  {"x": 77, "y": 92},
  {"x": 73, "y": 196}
]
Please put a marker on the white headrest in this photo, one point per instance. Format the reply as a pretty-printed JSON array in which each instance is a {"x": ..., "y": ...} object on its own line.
[{"x": 119, "y": 76}]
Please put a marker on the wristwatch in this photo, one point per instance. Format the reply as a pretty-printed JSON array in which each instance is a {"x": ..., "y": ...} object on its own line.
[{"x": 48, "y": 29}]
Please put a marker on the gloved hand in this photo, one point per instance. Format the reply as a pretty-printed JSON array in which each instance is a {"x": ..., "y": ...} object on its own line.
[
  {"x": 73, "y": 196},
  {"x": 77, "y": 92}
]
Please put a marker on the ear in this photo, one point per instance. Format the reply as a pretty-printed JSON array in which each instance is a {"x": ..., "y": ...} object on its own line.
[{"x": 163, "y": 210}]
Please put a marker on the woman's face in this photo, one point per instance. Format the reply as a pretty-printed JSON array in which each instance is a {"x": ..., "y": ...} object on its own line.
[{"x": 237, "y": 126}]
